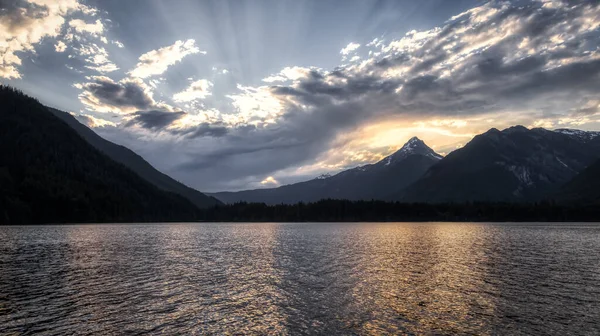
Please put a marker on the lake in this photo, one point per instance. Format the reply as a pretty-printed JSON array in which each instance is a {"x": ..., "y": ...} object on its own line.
[{"x": 393, "y": 278}]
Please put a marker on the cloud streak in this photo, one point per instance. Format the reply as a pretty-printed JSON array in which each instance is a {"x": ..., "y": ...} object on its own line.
[
  {"x": 154, "y": 120},
  {"x": 199, "y": 89},
  {"x": 156, "y": 62},
  {"x": 81, "y": 26}
]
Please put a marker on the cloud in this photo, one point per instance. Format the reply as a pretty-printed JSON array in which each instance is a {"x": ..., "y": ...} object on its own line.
[
  {"x": 174, "y": 125},
  {"x": 351, "y": 47},
  {"x": 102, "y": 94},
  {"x": 81, "y": 26},
  {"x": 199, "y": 89},
  {"x": 156, "y": 62},
  {"x": 60, "y": 46},
  {"x": 293, "y": 74},
  {"x": 154, "y": 120},
  {"x": 254, "y": 105},
  {"x": 348, "y": 50},
  {"x": 93, "y": 122},
  {"x": 270, "y": 180},
  {"x": 498, "y": 63},
  {"x": 588, "y": 108},
  {"x": 204, "y": 130},
  {"x": 25, "y": 23},
  {"x": 96, "y": 58}
]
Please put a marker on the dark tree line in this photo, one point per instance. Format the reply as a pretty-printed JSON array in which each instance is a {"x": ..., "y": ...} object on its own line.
[{"x": 380, "y": 211}]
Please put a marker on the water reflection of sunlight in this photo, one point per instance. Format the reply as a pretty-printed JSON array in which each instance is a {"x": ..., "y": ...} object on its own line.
[
  {"x": 421, "y": 278},
  {"x": 397, "y": 278},
  {"x": 199, "y": 278}
]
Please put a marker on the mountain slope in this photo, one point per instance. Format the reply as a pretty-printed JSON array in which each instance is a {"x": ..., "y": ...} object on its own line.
[
  {"x": 584, "y": 188},
  {"x": 374, "y": 181},
  {"x": 513, "y": 165},
  {"x": 136, "y": 163},
  {"x": 48, "y": 174}
]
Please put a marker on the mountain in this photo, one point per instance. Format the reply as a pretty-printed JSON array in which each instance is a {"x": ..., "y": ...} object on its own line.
[
  {"x": 50, "y": 174},
  {"x": 584, "y": 188},
  {"x": 513, "y": 165},
  {"x": 373, "y": 181},
  {"x": 136, "y": 163}
]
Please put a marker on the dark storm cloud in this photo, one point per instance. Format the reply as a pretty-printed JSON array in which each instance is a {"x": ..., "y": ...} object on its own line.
[
  {"x": 318, "y": 91},
  {"x": 154, "y": 119},
  {"x": 161, "y": 120},
  {"x": 389, "y": 62},
  {"x": 103, "y": 92},
  {"x": 205, "y": 130}
]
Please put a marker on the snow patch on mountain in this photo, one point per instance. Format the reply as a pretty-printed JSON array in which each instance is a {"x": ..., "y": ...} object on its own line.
[
  {"x": 579, "y": 134},
  {"x": 435, "y": 156},
  {"x": 561, "y": 162},
  {"x": 522, "y": 174}
]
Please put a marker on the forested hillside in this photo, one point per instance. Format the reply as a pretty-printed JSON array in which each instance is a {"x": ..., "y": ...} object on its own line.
[{"x": 49, "y": 174}]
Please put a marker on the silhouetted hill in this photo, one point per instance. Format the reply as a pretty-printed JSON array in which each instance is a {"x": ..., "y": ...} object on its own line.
[
  {"x": 136, "y": 163},
  {"x": 373, "y": 181},
  {"x": 513, "y": 165},
  {"x": 49, "y": 173}
]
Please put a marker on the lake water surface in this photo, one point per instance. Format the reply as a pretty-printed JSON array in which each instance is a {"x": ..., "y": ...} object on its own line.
[{"x": 396, "y": 278}]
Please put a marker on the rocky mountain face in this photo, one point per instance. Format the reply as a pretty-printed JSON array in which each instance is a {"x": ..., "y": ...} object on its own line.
[
  {"x": 513, "y": 165},
  {"x": 373, "y": 181}
]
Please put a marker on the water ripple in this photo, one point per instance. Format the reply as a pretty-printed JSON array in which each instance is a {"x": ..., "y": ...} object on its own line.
[{"x": 300, "y": 279}]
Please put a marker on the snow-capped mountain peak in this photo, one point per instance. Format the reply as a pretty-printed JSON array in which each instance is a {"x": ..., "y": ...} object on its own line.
[{"x": 413, "y": 146}]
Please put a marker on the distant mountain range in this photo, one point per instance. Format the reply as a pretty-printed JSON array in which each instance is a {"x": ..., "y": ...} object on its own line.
[
  {"x": 513, "y": 165},
  {"x": 373, "y": 181},
  {"x": 50, "y": 173},
  {"x": 54, "y": 169}
]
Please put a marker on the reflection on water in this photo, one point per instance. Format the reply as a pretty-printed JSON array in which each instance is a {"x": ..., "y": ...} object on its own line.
[{"x": 404, "y": 278}]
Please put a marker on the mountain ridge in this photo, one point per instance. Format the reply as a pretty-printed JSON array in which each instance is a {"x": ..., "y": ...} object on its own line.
[{"x": 516, "y": 164}]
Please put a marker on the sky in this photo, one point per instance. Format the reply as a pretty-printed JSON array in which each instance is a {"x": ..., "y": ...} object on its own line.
[{"x": 232, "y": 95}]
